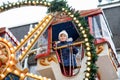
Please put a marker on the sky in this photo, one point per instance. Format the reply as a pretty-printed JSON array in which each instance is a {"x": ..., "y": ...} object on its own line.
[{"x": 30, "y": 14}]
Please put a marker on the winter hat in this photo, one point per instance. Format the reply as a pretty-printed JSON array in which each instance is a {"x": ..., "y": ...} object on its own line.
[{"x": 63, "y": 32}]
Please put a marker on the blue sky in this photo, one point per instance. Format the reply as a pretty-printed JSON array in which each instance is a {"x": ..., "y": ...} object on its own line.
[{"x": 31, "y": 14}]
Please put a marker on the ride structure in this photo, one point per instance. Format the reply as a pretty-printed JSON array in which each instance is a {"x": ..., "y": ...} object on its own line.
[{"x": 47, "y": 58}]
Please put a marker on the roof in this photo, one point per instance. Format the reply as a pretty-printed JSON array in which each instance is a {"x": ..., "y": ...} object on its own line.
[
  {"x": 63, "y": 17},
  {"x": 90, "y": 12}
]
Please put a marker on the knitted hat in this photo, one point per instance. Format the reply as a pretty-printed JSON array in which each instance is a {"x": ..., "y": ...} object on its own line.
[{"x": 63, "y": 32}]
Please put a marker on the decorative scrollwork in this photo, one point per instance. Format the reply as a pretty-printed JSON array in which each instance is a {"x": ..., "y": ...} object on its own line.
[
  {"x": 44, "y": 61},
  {"x": 99, "y": 49}
]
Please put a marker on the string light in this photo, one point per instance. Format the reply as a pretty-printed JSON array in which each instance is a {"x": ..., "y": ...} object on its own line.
[
  {"x": 86, "y": 79},
  {"x": 25, "y": 2},
  {"x": 88, "y": 53},
  {"x": 2, "y": 7},
  {"x": 88, "y": 69},
  {"x": 86, "y": 39},
  {"x": 34, "y": 2},
  {"x": 12, "y": 56},
  {"x": 87, "y": 44},
  {"x": 32, "y": 40},
  {"x": 2, "y": 75},
  {"x": 20, "y": 57},
  {"x": 29, "y": 44},
  {"x": 6, "y": 6},
  {"x": 88, "y": 63},
  {"x": 81, "y": 28},
  {"x": 5, "y": 40},
  {"x": 11, "y": 49},
  {"x": 15, "y": 47},
  {"x": 29, "y": 2},
  {"x": 79, "y": 24},
  {"x": 35, "y": 36},
  {"x": 39, "y": 77},
  {"x": 22, "y": 75},
  {"x": 87, "y": 74},
  {"x": 63, "y": 9},
  {"x": 22, "y": 40},
  {"x": 49, "y": 4},
  {"x": 74, "y": 18},
  {"x": 29, "y": 32},
  {"x": 11, "y": 62},
  {"x": 77, "y": 21},
  {"x": 18, "y": 3},
  {"x": 10, "y": 5},
  {"x": 85, "y": 35},
  {"x": 50, "y": 16},
  {"x": 89, "y": 58},
  {"x": 47, "y": 20},
  {"x": 25, "y": 49},
  {"x": 40, "y": 29},
  {"x": 88, "y": 48},
  {"x": 9, "y": 70},
  {"x": 69, "y": 13},
  {"x": 16, "y": 72},
  {"x": 40, "y": 2},
  {"x": 83, "y": 31},
  {"x": 72, "y": 15},
  {"x": 45, "y": 3},
  {"x": 44, "y": 24},
  {"x": 25, "y": 36}
]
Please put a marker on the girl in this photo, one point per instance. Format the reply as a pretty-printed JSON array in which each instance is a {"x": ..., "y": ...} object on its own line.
[{"x": 67, "y": 55}]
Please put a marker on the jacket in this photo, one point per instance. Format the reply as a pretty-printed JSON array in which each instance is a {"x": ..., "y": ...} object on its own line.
[{"x": 66, "y": 56}]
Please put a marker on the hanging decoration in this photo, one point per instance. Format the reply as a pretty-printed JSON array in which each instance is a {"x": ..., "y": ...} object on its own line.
[{"x": 80, "y": 22}]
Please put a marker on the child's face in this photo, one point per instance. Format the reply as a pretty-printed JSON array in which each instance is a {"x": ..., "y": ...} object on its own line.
[{"x": 63, "y": 37}]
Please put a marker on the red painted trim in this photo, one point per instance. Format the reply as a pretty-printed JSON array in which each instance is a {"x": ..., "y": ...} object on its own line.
[
  {"x": 90, "y": 24},
  {"x": 98, "y": 41},
  {"x": 58, "y": 56},
  {"x": 98, "y": 76},
  {"x": 90, "y": 12},
  {"x": 22, "y": 49},
  {"x": 49, "y": 45},
  {"x": 2, "y": 31},
  {"x": 61, "y": 20}
]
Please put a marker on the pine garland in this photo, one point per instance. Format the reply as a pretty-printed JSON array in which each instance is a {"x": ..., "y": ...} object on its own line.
[
  {"x": 56, "y": 6},
  {"x": 80, "y": 22}
]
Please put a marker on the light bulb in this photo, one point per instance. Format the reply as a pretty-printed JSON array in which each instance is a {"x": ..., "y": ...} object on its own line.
[
  {"x": 88, "y": 63},
  {"x": 88, "y": 53},
  {"x": 63, "y": 9},
  {"x": 87, "y": 74},
  {"x": 88, "y": 69},
  {"x": 86, "y": 39},
  {"x": 79, "y": 24}
]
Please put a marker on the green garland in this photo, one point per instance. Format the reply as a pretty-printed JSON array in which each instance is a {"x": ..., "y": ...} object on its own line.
[
  {"x": 56, "y": 6},
  {"x": 80, "y": 22}
]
